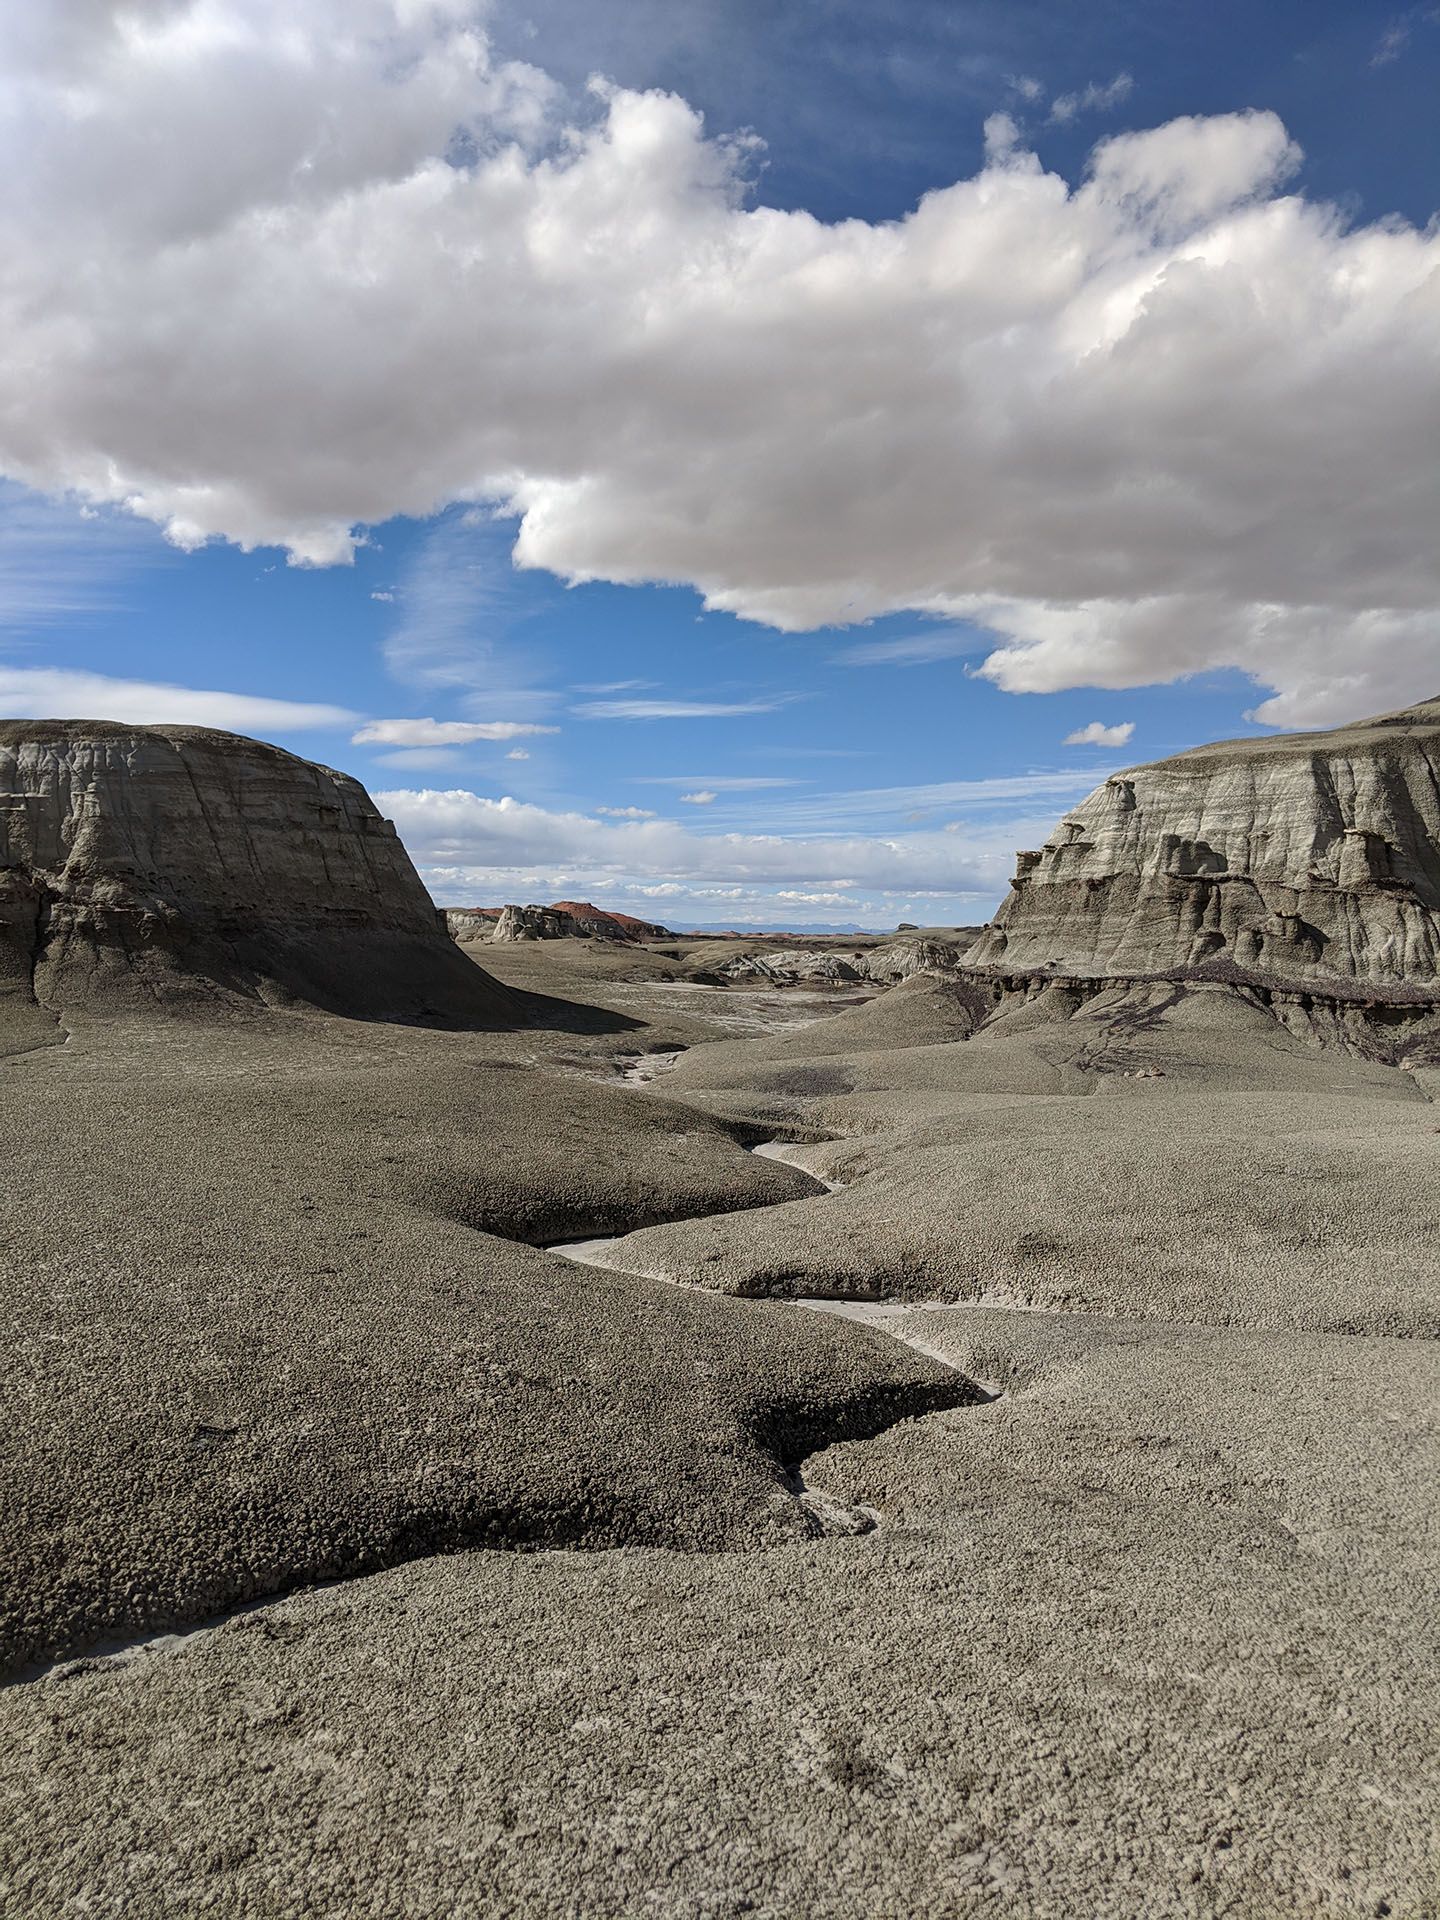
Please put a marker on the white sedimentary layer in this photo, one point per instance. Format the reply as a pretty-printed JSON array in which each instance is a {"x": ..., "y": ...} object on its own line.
[{"x": 1303, "y": 858}]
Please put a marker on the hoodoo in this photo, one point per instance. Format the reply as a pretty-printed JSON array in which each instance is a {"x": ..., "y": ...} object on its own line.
[
  {"x": 1306, "y": 860},
  {"x": 180, "y": 867}
]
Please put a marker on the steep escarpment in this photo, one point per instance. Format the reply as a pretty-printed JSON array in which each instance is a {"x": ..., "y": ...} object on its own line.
[
  {"x": 1306, "y": 860},
  {"x": 180, "y": 867}
]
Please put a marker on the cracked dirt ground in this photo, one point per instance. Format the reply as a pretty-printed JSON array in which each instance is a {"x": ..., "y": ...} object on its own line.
[{"x": 1152, "y": 1634}]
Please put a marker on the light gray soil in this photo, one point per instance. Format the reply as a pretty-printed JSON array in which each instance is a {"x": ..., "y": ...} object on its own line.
[{"x": 1152, "y": 1633}]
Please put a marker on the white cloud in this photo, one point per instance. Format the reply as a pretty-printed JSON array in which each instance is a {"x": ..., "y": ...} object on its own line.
[
  {"x": 1171, "y": 418},
  {"x": 518, "y": 753},
  {"x": 911, "y": 649},
  {"x": 627, "y": 813},
  {"x": 1330, "y": 664},
  {"x": 1396, "y": 37},
  {"x": 1095, "y": 98},
  {"x": 60, "y": 562},
  {"x": 441, "y": 733},
  {"x": 677, "y": 709},
  {"x": 381, "y": 593},
  {"x": 720, "y": 782},
  {"x": 614, "y": 686},
  {"x": 701, "y": 799},
  {"x": 1392, "y": 42},
  {"x": 56, "y": 693},
  {"x": 1097, "y": 734},
  {"x": 456, "y": 599},
  {"x": 1034, "y": 796},
  {"x": 493, "y": 844}
]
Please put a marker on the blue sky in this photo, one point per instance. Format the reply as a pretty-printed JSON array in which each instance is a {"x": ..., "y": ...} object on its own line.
[{"x": 830, "y": 536}]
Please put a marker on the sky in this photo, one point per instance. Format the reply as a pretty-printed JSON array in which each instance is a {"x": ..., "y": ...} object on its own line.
[{"x": 749, "y": 465}]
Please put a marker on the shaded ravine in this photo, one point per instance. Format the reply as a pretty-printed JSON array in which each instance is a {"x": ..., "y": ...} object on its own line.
[
  {"x": 882, "y": 1315},
  {"x": 830, "y": 1516}
]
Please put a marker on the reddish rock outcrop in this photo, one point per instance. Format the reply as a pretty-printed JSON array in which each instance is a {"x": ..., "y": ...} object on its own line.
[{"x": 611, "y": 926}]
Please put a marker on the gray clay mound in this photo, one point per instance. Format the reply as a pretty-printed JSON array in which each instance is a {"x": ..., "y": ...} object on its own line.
[
  {"x": 1147, "y": 1637},
  {"x": 280, "y": 1317},
  {"x": 184, "y": 869}
]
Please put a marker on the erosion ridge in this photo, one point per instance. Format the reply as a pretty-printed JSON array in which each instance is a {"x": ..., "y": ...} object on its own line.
[
  {"x": 1301, "y": 861},
  {"x": 169, "y": 868}
]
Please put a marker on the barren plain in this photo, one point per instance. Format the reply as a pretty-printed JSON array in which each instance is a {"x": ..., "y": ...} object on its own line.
[{"x": 450, "y": 1471}]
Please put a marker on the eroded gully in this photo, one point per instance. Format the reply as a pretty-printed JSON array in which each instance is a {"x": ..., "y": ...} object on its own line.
[
  {"x": 884, "y": 1315},
  {"x": 828, "y": 1516}
]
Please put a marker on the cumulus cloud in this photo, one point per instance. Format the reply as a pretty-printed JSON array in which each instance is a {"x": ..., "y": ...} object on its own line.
[
  {"x": 704, "y": 798},
  {"x": 276, "y": 272},
  {"x": 627, "y": 813},
  {"x": 518, "y": 753},
  {"x": 1097, "y": 734},
  {"x": 441, "y": 733},
  {"x": 459, "y": 838},
  {"x": 57, "y": 693}
]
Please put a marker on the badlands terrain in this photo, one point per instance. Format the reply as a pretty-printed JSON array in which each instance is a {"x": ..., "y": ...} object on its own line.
[{"x": 935, "y": 1425}]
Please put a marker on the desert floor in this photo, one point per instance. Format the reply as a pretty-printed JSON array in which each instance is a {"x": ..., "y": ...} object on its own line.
[{"x": 1018, "y": 1495}]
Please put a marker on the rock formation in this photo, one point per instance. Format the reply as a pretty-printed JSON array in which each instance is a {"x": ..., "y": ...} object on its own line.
[
  {"x": 470, "y": 923},
  {"x": 611, "y": 926},
  {"x": 537, "y": 923},
  {"x": 174, "y": 867},
  {"x": 566, "y": 920},
  {"x": 886, "y": 965},
  {"x": 1309, "y": 859}
]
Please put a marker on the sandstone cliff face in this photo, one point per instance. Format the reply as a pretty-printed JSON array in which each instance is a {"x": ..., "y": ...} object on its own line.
[
  {"x": 566, "y": 920},
  {"x": 1304, "y": 859},
  {"x": 174, "y": 867},
  {"x": 537, "y": 923},
  {"x": 467, "y": 924},
  {"x": 611, "y": 926}
]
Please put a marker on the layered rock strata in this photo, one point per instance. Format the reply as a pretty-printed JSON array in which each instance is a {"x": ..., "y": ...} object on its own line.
[
  {"x": 469, "y": 923},
  {"x": 537, "y": 923},
  {"x": 887, "y": 965},
  {"x": 168, "y": 867},
  {"x": 566, "y": 920},
  {"x": 611, "y": 926},
  {"x": 1301, "y": 860}
]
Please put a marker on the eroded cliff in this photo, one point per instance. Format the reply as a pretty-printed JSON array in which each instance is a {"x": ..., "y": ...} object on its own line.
[
  {"x": 180, "y": 867},
  {"x": 1306, "y": 859}
]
